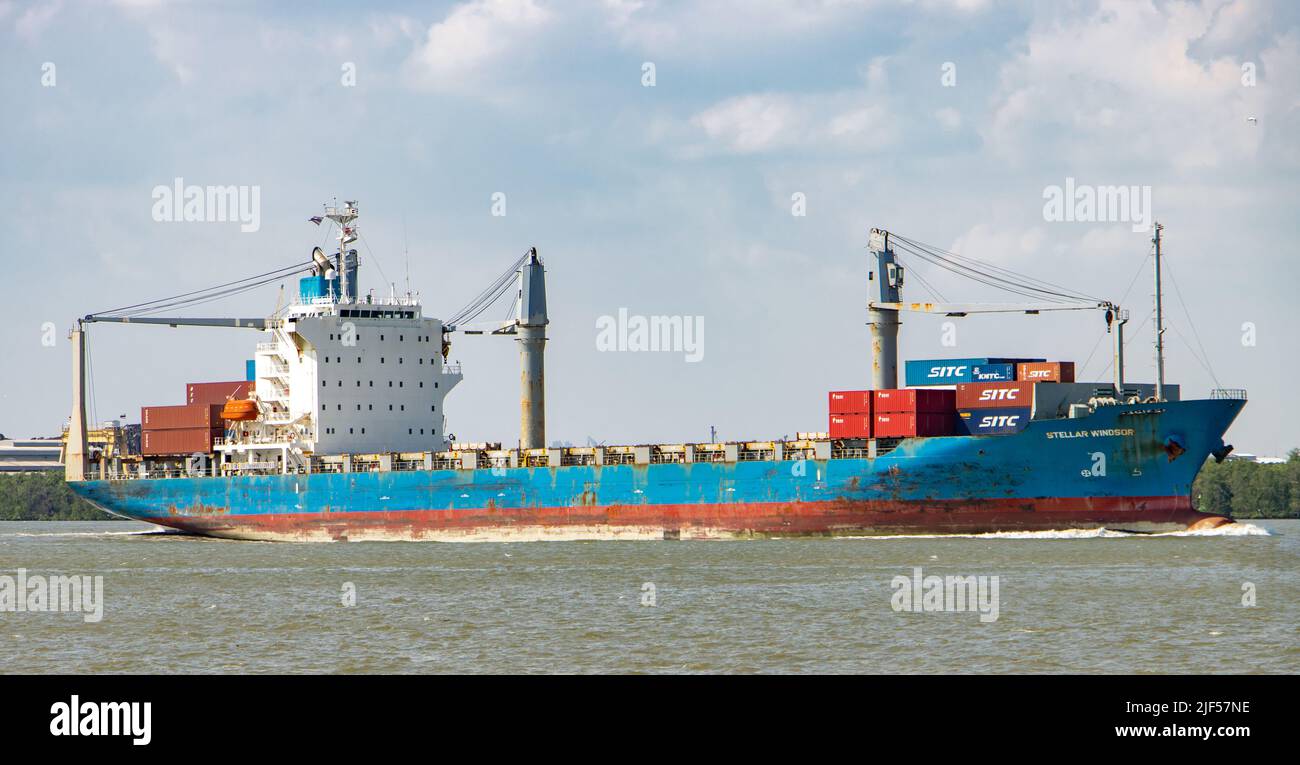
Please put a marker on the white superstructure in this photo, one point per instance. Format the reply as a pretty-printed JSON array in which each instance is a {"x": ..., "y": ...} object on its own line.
[{"x": 341, "y": 374}]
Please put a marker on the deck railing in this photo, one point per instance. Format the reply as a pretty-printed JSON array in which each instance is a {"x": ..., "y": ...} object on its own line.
[{"x": 1229, "y": 393}]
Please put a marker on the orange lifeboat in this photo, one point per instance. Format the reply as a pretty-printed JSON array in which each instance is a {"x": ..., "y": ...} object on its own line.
[{"x": 239, "y": 411}]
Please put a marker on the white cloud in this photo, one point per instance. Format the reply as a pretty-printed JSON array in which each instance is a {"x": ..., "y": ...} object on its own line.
[
  {"x": 705, "y": 29},
  {"x": 1235, "y": 23},
  {"x": 472, "y": 38},
  {"x": 949, "y": 118},
  {"x": 773, "y": 121},
  {"x": 387, "y": 29},
  {"x": 1119, "y": 86},
  {"x": 36, "y": 18}
]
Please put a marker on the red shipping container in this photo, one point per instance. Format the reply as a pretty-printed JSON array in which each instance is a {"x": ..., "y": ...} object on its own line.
[
  {"x": 216, "y": 392},
  {"x": 850, "y": 426},
  {"x": 1046, "y": 371},
  {"x": 995, "y": 395},
  {"x": 177, "y": 441},
  {"x": 850, "y": 402},
  {"x": 181, "y": 417},
  {"x": 908, "y": 424},
  {"x": 915, "y": 400}
]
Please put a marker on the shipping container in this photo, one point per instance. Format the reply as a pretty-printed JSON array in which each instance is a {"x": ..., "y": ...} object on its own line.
[
  {"x": 949, "y": 371},
  {"x": 1050, "y": 371},
  {"x": 850, "y": 426},
  {"x": 915, "y": 400},
  {"x": 177, "y": 441},
  {"x": 850, "y": 402},
  {"x": 992, "y": 422},
  {"x": 181, "y": 417},
  {"x": 216, "y": 392},
  {"x": 908, "y": 424},
  {"x": 994, "y": 395}
]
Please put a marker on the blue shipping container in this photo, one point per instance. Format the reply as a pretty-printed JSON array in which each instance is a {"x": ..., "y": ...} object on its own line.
[
  {"x": 992, "y": 422},
  {"x": 250, "y": 370},
  {"x": 923, "y": 372}
]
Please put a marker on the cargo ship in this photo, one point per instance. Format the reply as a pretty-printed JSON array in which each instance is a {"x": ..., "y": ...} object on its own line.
[{"x": 338, "y": 433}]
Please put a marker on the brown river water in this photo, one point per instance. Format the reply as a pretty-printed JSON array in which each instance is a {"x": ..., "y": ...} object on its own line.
[{"x": 1068, "y": 602}]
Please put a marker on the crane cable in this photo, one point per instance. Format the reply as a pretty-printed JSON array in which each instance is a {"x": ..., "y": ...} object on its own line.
[
  {"x": 975, "y": 275},
  {"x": 203, "y": 295},
  {"x": 485, "y": 299},
  {"x": 1096, "y": 345},
  {"x": 1204, "y": 358}
]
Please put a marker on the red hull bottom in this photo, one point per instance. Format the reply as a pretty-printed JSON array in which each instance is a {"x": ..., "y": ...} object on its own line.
[{"x": 747, "y": 520}]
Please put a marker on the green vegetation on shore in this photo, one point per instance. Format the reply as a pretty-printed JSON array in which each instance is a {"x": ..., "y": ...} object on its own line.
[
  {"x": 1250, "y": 490},
  {"x": 44, "y": 497},
  {"x": 1236, "y": 487}
]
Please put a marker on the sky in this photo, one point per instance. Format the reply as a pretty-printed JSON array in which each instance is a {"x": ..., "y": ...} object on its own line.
[{"x": 719, "y": 162}]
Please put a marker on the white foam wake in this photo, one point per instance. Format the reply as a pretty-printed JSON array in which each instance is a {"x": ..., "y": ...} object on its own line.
[
  {"x": 1229, "y": 530},
  {"x": 1237, "y": 529},
  {"x": 155, "y": 530}
]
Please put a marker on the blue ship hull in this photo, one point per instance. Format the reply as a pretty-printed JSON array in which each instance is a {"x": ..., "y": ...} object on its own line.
[{"x": 1127, "y": 467}]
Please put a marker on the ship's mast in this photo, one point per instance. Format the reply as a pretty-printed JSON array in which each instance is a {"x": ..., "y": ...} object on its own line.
[
  {"x": 1160, "y": 321},
  {"x": 347, "y": 233}
]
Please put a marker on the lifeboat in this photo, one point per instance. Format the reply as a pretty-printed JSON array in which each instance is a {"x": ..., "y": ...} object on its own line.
[{"x": 239, "y": 411}]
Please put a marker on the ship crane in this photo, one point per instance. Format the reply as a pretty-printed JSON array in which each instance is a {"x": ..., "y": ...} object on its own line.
[
  {"x": 887, "y": 303},
  {"x": 528, "y": 326}
]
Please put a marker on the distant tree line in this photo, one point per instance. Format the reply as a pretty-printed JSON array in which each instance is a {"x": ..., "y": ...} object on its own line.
[
  {"x": 1246, "y": 489},
  {"x": 44, "y": 497}
]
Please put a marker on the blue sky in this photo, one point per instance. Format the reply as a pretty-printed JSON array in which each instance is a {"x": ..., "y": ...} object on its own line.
[{"x": 673, "y": 199}]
